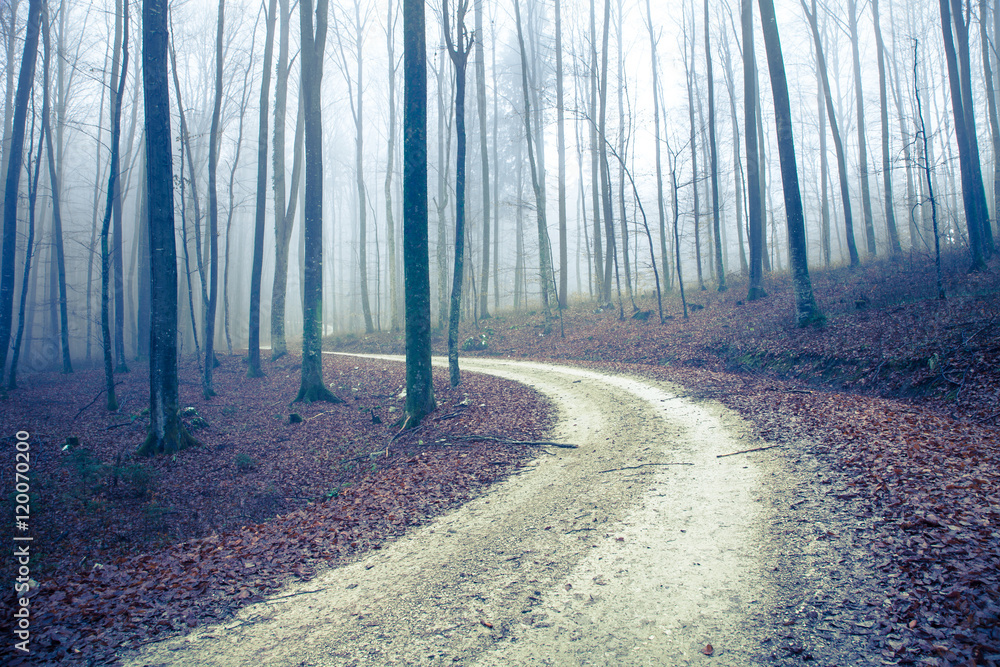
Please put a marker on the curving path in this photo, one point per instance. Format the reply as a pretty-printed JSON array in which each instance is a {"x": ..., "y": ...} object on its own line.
[{"x": 609, "y": 554}]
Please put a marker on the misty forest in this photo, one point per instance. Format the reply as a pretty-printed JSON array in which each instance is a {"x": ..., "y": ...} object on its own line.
[{"x": 282, "y": 282}]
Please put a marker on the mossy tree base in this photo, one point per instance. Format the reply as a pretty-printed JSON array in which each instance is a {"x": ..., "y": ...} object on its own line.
[
  {"x": 315, "y": 393},
  {"x": 756, "y": 293},
  {"x": 173, "y": 440}
]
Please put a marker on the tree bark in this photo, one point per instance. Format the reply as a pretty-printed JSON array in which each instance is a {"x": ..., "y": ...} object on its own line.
[
  {"x": 664, "y": 258},
  {"x": 755, "y": 291},
  {"x": 208, "y": 390},
  {"x": 28, "y": 251},
  {"x": 54, "y": 182},
  {"x": 458, "y": 51},
  {"x": 395, "y": 322},
  {"x": 866, "y": 200},
  {"x": 806, "y": 310},
  {"x": 604, "y": 288},
  {"x": 560, "y": 122},
  {"x": 714, "y": 159},
  {"x": 312, "y": 387},
  {"x": 166, "y": 432},
  {"x": 973, "y": 194},
  {"x": 13, "y": 176},
  {"x": 416, "y": 268},
  {"x": 253, "y": 357},
  {"x": 544, "y": 255},
  {"x": 480, "y": 62},
  {"x": 282, "y": 222}
]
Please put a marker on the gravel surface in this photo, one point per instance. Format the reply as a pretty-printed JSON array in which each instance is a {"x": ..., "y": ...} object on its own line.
[{"x": 642, "y": 546}]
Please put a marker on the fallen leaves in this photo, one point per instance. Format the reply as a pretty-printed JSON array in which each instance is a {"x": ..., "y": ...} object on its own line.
[{"x": 329, "y": 488}]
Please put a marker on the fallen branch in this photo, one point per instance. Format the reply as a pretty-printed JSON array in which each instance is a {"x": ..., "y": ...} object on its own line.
[
  {"x": 291, "y": 595},
  {"x": 93, "y": 401},
  {"x": 643, "y": 465},
  {"x": 449, "y": 416},
  {"x": 508, "y": 441},
  {"x": 746, "y": 451}
]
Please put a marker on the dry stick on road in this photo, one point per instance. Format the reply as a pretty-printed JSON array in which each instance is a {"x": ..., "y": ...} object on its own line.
[{"x": 746, "y": 451}]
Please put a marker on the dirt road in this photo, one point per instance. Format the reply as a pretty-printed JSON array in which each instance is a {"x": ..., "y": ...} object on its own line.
[{"x": 640, "y": 547}]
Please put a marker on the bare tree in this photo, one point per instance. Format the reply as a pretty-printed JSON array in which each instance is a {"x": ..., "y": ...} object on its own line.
[
  {"x": 756, "y": 233},
  {"x": 213, "y": 212},
  {"x": 806, "y": 310},
  {"x": 282, "y": 221},
  {"x": 866, "y": 200},
  {"x": 253, "y": 356},
  {"x": 544, "y": 254},
  {"x": 13, "y": 176},
  {"x": 390, "y": 225},
  {"x": 28, "y": 252},
  {"x": 313, "y": 39},
  {"x": 890, "y": 213},
  {"x": 561, "y": 138},
  {"x": 959, "y": 77},
  {"x": 54, "y": 183},
  {"x": 166, "y": 431},
  {"x": 480, "y": 63},
  {"x": 357, "y": 112},
  {"x": 714, "y": 159},
  {"x": 845, "y": 195},
  {"x": 459, "y": 47}
]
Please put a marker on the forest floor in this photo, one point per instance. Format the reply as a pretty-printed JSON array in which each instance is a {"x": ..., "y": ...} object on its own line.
[{"x": 897, "y": 395}]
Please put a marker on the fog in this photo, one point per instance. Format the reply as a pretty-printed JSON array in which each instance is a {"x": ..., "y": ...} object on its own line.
[{"x": 81, "y": 35}]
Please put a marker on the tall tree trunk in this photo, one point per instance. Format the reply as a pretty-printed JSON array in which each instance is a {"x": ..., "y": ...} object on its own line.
[
  {"x": 480, "y": 60},
  {"x": 359, "y": 173},
  {"x": 118, "y": 90},
  {"x": 689, "y": 76},
  {"x": 890, "y": 213},
  {"x": 416, "y": 269},
  {"x": 282, "y": 222},
  {"x": 664, "y": 258},
  {"x": 927, "y": 172},
  {"x": 54, "y": 181},
  {"x": 9, "y": 18},
  {"x": 973, "y": 194},
  {"x": 750, "y": 93},
  {"x": 93, "y": 221},
  {"x": 166, "y": 432},
  {"x": 28, "y": 251},
  {"x": 312, "y": 387},
  {"x": 609, "y": 228},
  {"x": 496, "y": 173},
  {"x": 561, "y": 123},
  {"x": 621, "y": 157},
  {"x": 806, "y": 310},
  {"x": 991, "y": 106},
  {"x": 444, "y": 155},
  {"x": 824, "y": 170},
  {"x": 208, "y": 390},
  {"x": 458, "y": 50},
  {"x": 737, "y": 163},
  {"x": 714, "y": 159},
  {"x": 253, "y": 357},
  {"x": 866, "y": 200},
  {"x": 545, "y": 257},
  {"x": 13, "y": 176},
  {"x": 395, "y": 321},
  {"x": 604, "y": 287},
  {"x": 845, "y": 195}
]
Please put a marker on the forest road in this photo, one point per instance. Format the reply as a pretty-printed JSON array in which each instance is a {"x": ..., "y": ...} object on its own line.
[{"x": 639, "y": 547}]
